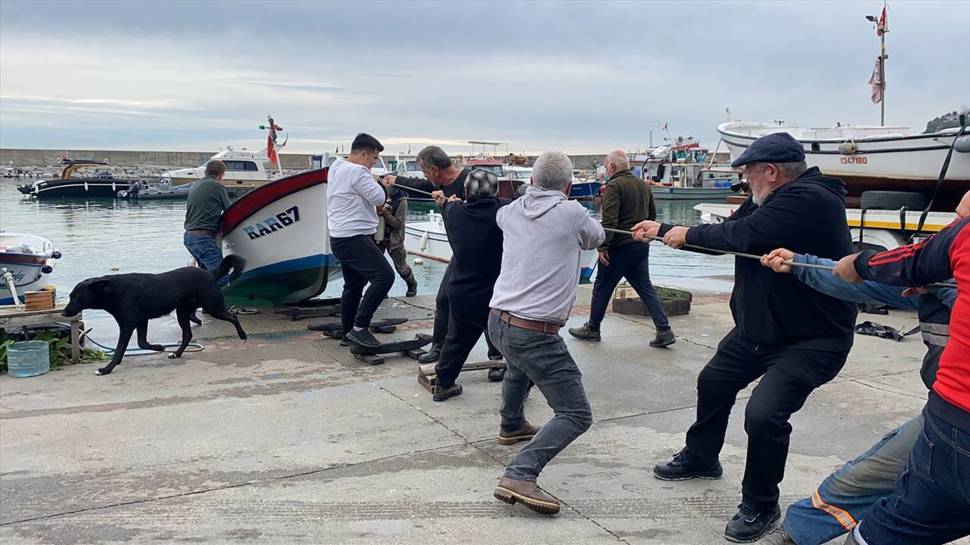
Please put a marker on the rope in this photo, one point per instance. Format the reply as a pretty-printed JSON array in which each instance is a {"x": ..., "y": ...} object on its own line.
[
  {"x": 758, "y": 257},
  {"x": 191, "y": 347}
]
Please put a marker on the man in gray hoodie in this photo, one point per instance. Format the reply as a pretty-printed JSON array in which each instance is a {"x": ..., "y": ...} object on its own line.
[{"x": 543, "y": 235}]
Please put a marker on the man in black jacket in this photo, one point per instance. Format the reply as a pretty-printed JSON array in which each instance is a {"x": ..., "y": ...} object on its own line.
[
  {"x": 790, "y": 336},
  {"x": 476, "y": 243},
  {"x": 444, "y": 180}
]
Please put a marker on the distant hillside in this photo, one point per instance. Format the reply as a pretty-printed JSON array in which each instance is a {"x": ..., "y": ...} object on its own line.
[{"x": 945, "y": 121}]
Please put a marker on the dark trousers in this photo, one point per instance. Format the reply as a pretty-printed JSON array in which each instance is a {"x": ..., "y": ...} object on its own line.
[
  {"x": 630, "y": 261},
  {"x": 442, "y": 322},
  {"x": 788, "y": 376},
  {"x": 464, "y": 330},
  {"x": 931, "y": 502},
  {"x": 361, "y": 261}
]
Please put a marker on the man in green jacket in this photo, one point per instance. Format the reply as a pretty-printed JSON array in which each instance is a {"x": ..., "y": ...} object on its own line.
[
  {"x": 206, "y": 202},
  {"x": 626, "y": 201}
]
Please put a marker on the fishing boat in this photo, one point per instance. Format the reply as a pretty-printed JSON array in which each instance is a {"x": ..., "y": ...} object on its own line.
[
  {"x": 585, "y": 186},
  {"x": 28, "y": 259},
  {"x": 102, "y": 185},
  {"x": 682, "y": 171},
  {"x": 280, "y": 230},
  {"x": 428, "y": 239},
  {"x": 870, "y": 158},
  {"x": 516, "y": 177}
]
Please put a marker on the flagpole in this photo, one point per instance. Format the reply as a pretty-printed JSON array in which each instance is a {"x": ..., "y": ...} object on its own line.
[{"x": 882, "y": 75}]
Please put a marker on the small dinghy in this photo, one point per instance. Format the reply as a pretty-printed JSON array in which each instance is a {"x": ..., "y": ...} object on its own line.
[{"x": 28, "y": 259}]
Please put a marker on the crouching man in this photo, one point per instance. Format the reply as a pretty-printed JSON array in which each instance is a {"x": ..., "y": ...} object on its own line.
[{"x": 544, "y": 233}]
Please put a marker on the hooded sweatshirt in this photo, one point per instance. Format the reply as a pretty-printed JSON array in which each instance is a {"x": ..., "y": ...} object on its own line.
[
  {"x": 544, "y": 233},
  {"x": 807, "y": 216}
]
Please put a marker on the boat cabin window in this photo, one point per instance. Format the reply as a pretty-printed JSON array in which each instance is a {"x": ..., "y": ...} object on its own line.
[{"x": 241, "y": 165}]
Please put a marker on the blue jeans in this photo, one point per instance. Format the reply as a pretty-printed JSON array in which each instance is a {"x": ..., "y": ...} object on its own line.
[
  {"x": 207, "y": 253},
  {"x": 931, "y": 503},
  {"x": 630, "y": 261},
  {"x": 543, "y": 358},
  {"x": 845, "y": 497}
]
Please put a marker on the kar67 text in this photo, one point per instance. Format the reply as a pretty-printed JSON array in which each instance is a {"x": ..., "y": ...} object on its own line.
[{"x": 273, "y": 223}]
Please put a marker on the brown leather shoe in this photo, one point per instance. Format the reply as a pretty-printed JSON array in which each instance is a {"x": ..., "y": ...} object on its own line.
[
  {"x": 525, "y": 433},
  {"x": 527, "y": 493}
]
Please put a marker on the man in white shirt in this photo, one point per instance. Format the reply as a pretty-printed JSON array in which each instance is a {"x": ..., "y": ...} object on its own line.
[{"x": 353, "y": 198}]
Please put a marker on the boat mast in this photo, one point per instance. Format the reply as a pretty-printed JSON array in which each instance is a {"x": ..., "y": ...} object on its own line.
[{"x": 882, "y": 27}]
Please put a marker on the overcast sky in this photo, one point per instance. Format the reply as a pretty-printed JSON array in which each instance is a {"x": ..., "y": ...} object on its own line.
[{"x": 574, "y": 76}]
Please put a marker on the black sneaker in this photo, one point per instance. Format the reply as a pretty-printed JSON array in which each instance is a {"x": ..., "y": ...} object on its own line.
[
  {"x": 680, "y": 468},
  {"x": 585, "y": 333},
  {"x": 665, "y": 337},
  {"x": 363, "y": 338},
  {"x": 441, "y": 393},
  {"x": 431, "y": 355},
  {"x": 751, "y": 524}
]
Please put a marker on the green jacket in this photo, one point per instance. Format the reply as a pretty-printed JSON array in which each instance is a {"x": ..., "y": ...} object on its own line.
[
  {"x": 626, "y": 202},
  {"x": 206, "y": 202}
]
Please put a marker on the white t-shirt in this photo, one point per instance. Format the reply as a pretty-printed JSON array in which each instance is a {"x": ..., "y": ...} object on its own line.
[{"x": 352, "y": 198}]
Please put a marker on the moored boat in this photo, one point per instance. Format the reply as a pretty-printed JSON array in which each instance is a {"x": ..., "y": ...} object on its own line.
[
  {"x": 28, "y": 259},
  {"x": 280, "y": 229},
  {"x": 102, "y": 185}
]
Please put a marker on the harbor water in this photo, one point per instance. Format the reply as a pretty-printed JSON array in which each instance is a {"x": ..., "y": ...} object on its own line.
[{"x": 98, "y": 237}]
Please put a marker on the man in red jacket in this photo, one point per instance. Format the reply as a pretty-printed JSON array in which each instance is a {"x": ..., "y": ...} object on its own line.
[{"x": 931, "y": 504}]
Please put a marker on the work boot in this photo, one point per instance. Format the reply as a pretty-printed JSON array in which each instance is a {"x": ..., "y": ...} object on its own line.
[
  {"x": 585, "y": 333},
  {"x": 778, "y": 536},
  {"x": 680, "y": 468},
  {"x": 751, "y": 523},
  {"x": 412, "y": 286},
  {"x": 527, "y": 493},
  {"x": 496, "y": 375},
  {"x": 432, "y": 354},
  {"x": 442, "y": 393},
  {"x": 525, "y": 433},
  {"x": 362, "y": 337},
  {"x": 665, "y": 337}
]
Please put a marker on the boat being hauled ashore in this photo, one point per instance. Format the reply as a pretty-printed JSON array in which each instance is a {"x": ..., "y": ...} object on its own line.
[{"x": 280, "y": 230}]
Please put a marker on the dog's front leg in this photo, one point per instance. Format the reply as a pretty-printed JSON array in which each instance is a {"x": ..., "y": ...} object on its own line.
[
  {"x": 143, "y": 339},
  {"x": 124, "y": 335}
]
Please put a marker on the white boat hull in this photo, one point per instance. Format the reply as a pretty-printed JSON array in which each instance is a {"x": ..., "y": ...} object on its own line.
[
  {"x": 28, "y": 269},
  {"x": 427, "y": 239},
  {"x": 281, "y": 231}
]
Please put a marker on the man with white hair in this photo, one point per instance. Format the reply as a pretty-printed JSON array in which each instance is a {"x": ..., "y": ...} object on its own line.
[
  {"x": 626, "y": 202},
  {"x": 544, "y": 233}
]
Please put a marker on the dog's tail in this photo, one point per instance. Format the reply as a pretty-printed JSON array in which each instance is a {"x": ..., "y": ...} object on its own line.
[{"x": 230, "y": 262}]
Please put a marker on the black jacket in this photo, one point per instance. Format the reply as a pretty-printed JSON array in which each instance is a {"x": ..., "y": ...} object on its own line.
[
  {"x": 806, "y": 215},
  {"x": 626, "y": 202},
  {"x": 476, "y": 244},
  {"x": 454, "y": 188}
]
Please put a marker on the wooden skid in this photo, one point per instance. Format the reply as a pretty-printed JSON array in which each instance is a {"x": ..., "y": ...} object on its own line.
[{"x": 427, "y": 377}]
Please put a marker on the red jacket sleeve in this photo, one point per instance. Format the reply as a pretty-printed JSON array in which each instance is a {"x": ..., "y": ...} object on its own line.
[{"x": 913, "y": 265}]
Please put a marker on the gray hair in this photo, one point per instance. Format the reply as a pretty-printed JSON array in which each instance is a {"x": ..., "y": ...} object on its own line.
[
  {"x": 433, "y": 156},
  {"x": 792, "y": 170},
  {"x": 552, "y": 170}
]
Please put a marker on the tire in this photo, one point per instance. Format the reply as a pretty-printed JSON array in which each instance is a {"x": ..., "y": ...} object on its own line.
[{"x": 893, "y": 200}]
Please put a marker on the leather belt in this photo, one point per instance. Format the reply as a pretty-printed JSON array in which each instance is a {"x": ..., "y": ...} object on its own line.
[
  {"x": 202, "y": 232},
  {"x": 548, "y": 328}
]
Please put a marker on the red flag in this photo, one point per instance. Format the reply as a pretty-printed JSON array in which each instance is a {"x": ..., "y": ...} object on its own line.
[
  {"x": 876, "y": 81},
  {"x": 271, "y": 142},
  {"x": 881, "y": 27}
]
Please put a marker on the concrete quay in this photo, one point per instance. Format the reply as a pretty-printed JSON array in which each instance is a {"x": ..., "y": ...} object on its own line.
[{"x": 288, "y": 439}]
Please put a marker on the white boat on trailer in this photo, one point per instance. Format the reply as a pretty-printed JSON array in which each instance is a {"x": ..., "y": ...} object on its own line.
[{"x": 873, "y": 158}]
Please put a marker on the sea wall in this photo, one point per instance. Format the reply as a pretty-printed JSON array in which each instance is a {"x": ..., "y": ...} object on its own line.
[{"x": 180, "y": 159}]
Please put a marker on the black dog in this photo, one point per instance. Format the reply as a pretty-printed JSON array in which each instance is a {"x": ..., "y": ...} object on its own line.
[{"x": 133, "y": 299}]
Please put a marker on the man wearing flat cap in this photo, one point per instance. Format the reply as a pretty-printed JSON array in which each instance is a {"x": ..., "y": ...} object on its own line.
[{"x": 790, "y": 336}]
